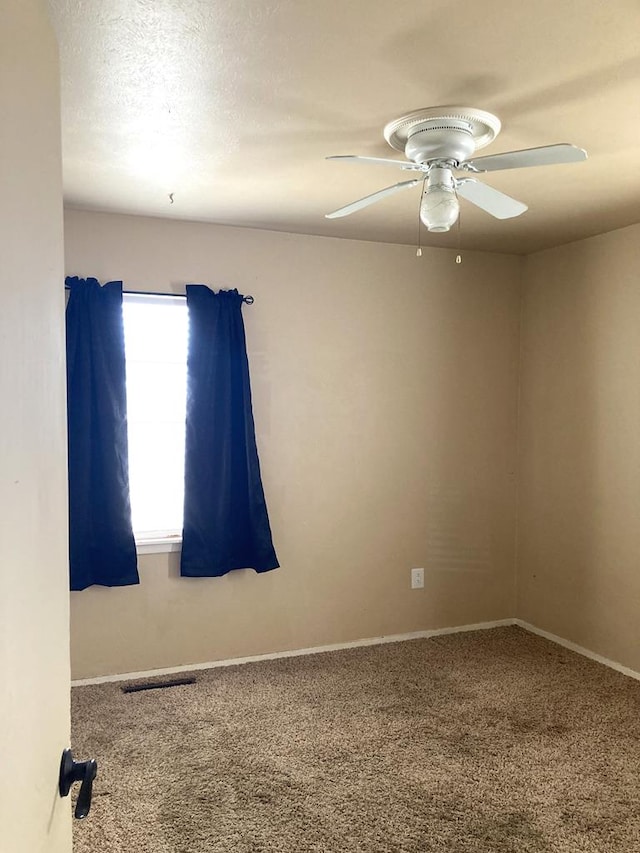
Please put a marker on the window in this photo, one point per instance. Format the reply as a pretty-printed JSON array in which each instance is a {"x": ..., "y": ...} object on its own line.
[{"x": 156, "y": 340}]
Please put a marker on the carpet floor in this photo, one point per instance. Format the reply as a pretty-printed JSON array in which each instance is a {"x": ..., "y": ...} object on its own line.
[{"x": 492, "y": 742}]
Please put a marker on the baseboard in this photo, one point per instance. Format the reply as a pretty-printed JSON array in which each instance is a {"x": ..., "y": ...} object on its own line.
[
  {"x": 574, "y": 647},
  {"x": 368, "y": 641}
]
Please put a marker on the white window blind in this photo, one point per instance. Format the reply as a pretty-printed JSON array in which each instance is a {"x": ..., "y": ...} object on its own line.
[{"x": 156, "y": 340}]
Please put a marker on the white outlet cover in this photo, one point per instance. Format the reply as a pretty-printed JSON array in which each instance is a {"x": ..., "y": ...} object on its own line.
[{"x": 417, "y": 578}]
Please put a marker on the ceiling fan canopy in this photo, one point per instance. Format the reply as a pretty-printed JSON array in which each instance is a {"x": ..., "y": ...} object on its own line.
[
  {"x": 438, "y": 141},
  {"x": 451, "y": 133}
]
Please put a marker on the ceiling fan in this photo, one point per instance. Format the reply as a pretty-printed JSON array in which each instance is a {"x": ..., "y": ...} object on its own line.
[{"x": 439, "y": 141}]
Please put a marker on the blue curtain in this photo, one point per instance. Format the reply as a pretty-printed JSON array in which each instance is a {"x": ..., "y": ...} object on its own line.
[
  {"x": 226, "y": 525},
  {"x": 101, "y": 545}
]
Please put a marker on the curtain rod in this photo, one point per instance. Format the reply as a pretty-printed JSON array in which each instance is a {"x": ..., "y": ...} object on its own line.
[{"x": 248, "y": 300}]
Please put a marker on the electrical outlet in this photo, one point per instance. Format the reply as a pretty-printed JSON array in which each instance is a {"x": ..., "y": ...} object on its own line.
[{"x": 417, "y": 578}]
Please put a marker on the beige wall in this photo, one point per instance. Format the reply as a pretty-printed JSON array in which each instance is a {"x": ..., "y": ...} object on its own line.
[
  {"x": 385, "y": 391},
  {"x": 579, "y": 549},
  {"x": 34, "y": 598}
]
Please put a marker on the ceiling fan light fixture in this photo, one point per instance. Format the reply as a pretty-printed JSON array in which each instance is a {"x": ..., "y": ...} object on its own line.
[{"x": 439, "y": 207}]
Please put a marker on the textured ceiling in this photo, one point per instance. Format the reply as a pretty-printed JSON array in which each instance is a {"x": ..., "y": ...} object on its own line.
[{"x": 232, "y": 107}]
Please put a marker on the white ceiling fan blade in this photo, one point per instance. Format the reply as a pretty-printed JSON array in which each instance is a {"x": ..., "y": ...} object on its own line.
[
  {"x": 493, "y": 201},
  {"x": 380, "y": 161},
  {"x": 371, "y": 199},
  {"x": 546, "y": 155}
]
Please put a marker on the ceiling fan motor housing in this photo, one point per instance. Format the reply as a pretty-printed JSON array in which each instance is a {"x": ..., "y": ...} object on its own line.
[
  {"x": 442, "y": 133},
  {"x": 435, "y": 140}
]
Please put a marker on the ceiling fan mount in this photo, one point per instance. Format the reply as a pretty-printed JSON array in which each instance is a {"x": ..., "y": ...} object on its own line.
[
  {"x": 442, "y": 133},
  {"x": 438, "y": 141}
]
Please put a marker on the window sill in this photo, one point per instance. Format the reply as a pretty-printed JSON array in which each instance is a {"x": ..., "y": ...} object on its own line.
[{"x": 159, "y": 545}]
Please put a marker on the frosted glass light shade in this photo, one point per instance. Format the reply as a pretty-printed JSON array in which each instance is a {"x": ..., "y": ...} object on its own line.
[{"x": 439, "y": 208}]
